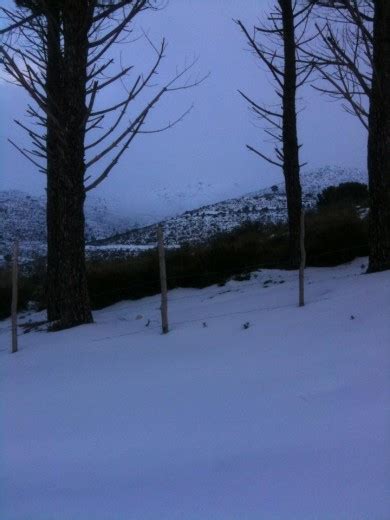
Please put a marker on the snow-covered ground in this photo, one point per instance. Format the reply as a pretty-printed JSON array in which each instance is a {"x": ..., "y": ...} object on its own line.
[{"x": 250, "y": 408}]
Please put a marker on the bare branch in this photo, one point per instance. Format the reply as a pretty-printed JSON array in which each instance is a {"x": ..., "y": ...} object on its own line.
[
  {"x": 265, "y": 157},
  {"x": 26, "y": 155},
  {"x": 342, "y": 54}
]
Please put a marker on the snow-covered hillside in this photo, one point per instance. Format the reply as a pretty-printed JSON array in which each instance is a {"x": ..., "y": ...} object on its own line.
[
  {"x": 23, "y": 216},
  {"x": 267, "y": 205},
  {"x": 250, "y": 408}
]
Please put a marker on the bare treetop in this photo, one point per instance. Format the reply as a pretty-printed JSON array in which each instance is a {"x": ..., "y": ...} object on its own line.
[
  {"x": 343, "y": 53},
  {"x": 111, "y": 129},
  {"x": 266, "y": 42}
]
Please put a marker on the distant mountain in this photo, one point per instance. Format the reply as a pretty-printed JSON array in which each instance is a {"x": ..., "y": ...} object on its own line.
[
  {"x": 267, "y": 205},
  {"x": 108, "y": 233},
  {"x": 23, "y": 216}
]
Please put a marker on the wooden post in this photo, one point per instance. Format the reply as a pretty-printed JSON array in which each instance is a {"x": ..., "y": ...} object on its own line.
[
  {"x": 163, "y": 280},
  {"x": 14, "y": 304},
  {"x": 303, "y": 261}
]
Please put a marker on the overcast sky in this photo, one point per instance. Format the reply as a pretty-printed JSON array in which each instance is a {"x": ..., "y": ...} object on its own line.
[{"x": 203, "y": 158}]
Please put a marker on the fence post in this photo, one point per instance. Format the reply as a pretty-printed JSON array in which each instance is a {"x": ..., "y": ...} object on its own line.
[
  {"x": 303, "y": 260},
  {"x": 14, "y": 304},
  {"x": 163, "y": 280}
]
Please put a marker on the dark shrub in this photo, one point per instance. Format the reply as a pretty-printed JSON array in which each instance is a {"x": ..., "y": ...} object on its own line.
[
  {"x": 30, "y": 290},
  {"x": 119, "y": 279},
  {"x": 346, "y": 194},
  {"x": 334, "y": 235}
]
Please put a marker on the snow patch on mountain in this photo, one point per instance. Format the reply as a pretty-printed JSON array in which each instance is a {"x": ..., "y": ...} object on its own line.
[
  {"x": 23, "y": 217},
  {"x": 108, "y": 231},
  {"x": 266, "y": 205}
]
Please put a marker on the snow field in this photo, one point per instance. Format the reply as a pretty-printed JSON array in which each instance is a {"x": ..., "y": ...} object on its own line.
[{"x": 286, "y": 419}]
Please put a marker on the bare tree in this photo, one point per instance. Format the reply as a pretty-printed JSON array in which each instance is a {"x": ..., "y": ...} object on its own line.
[
  {"x": 354, "y": 61},
  {"x": 275, "y": 44},
  {"x": 343, "y": 53},
  {"x": 62, "y": 53}
]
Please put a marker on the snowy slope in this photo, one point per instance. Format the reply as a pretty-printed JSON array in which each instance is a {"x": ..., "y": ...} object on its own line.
[
  {"x": 267, "y": 205},
  {"x": 23, "y": 216},
  {"x": 287, "y": 419}
]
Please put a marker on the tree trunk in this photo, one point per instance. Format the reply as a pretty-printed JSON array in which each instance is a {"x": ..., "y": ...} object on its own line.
[
  {"x": 54, "y": 89},
  {"x": 289, "y": 132},
  {"x": 68, "y": 300},
  {"x": 379, "y": 142}
]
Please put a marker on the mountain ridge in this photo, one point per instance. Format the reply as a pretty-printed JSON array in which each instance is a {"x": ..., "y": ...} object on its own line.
[
  {"x": 268, "y": 205},
  {"x": 23, "y": 217}
]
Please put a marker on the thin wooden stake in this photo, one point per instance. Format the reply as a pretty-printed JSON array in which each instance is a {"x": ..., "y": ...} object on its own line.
[
  {"x": 163, "y": 280},
  {"x": 14, "y": 304},
  {"x": 303, "y": 261}
]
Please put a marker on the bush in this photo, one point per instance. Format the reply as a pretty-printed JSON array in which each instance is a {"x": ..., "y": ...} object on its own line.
[
  {"x": 196, "y": 266},
  {"x": 334, "y": 235},
  {"x": 346, "y": 194},
  {"x": 31, "y": 289},
  {"x": 119, "y": 279}
]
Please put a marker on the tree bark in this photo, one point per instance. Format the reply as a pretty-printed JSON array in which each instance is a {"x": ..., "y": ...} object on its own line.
[
  {"x": 379, "y": 142},
  {"x": 289, "y": 132},
  {"x": 68, "y": 300},
  {"x": 54, "y": 89}
]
